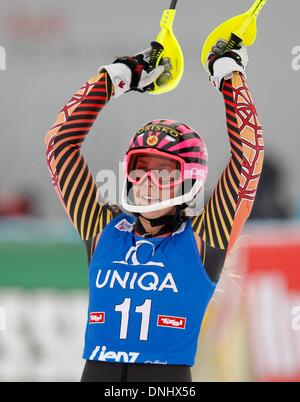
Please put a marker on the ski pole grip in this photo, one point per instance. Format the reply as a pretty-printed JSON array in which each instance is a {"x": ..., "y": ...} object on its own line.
[
  {"x": 233, "y": 43},
  {"x": 173, "y": 5},
  {"x": 156, "y": 52}
]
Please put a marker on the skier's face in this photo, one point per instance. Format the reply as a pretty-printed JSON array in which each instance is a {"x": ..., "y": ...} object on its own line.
[{"x": 147, "y": 192}]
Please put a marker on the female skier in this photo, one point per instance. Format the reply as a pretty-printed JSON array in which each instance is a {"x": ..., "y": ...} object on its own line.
[{"x": 153, "y": 272}]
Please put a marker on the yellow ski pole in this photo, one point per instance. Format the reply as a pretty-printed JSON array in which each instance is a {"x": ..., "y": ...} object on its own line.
[
  {"x": 167, "y": 46},
  {"x": 239, "y": 29}
]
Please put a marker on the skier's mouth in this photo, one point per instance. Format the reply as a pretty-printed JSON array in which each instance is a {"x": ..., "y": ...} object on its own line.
[{"x": 149, "y": 199}]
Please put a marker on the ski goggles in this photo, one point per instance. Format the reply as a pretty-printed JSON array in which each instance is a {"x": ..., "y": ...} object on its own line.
[{"x": 164, "y": 171}]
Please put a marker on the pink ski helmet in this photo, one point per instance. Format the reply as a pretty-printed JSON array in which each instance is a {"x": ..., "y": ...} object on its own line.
[{"x": 176, "y": 141}]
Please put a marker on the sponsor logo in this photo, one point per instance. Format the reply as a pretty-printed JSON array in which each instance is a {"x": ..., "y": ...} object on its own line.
[
  {"x": 171, "y": 322},
  {"x": 124, "y": 226},
  {"x": 130, "y": 280},
  {"x": 152, "y": 141},
  {"x": 155, "y": 362},
  {"x": 97, "y": 318},
  {"x": 161, "y": 129},
  {"x": 131, "y": 257},
  {"x": 104, "y": 355}
]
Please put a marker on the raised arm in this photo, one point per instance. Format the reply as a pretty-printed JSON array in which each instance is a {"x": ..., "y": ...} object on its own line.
[
  {"x": 232, "y": 200},
  {"x": 70, "y": 174}
]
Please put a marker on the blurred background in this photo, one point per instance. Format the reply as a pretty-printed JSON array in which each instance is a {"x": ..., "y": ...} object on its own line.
[{"x": 48, "y": 50}]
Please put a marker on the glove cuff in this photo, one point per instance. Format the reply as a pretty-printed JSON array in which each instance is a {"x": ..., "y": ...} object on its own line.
[
  {"x": 120, "y": 76},
  {"x": 136, "y": 65},
  {"x": 224, "y": 69}
]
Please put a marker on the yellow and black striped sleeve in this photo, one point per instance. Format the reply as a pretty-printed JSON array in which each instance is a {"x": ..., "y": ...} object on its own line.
[
  {"x": 231, "y": 202},
  {"x": 70, "y": 174}
]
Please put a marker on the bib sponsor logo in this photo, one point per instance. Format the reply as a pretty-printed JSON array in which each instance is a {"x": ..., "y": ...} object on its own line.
[
  {"x": 171, "y": 322},
  {"x": 124, "y": 226},
  {"x": 104, "y": 355},
  {"x": 97, "y": 318},
  {"x": 131, "y": 257},
  {"x": 131, "y": 280}
]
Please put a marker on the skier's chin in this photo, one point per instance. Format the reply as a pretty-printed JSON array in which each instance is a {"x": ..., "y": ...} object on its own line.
[{"x": 160, "y": 213}]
